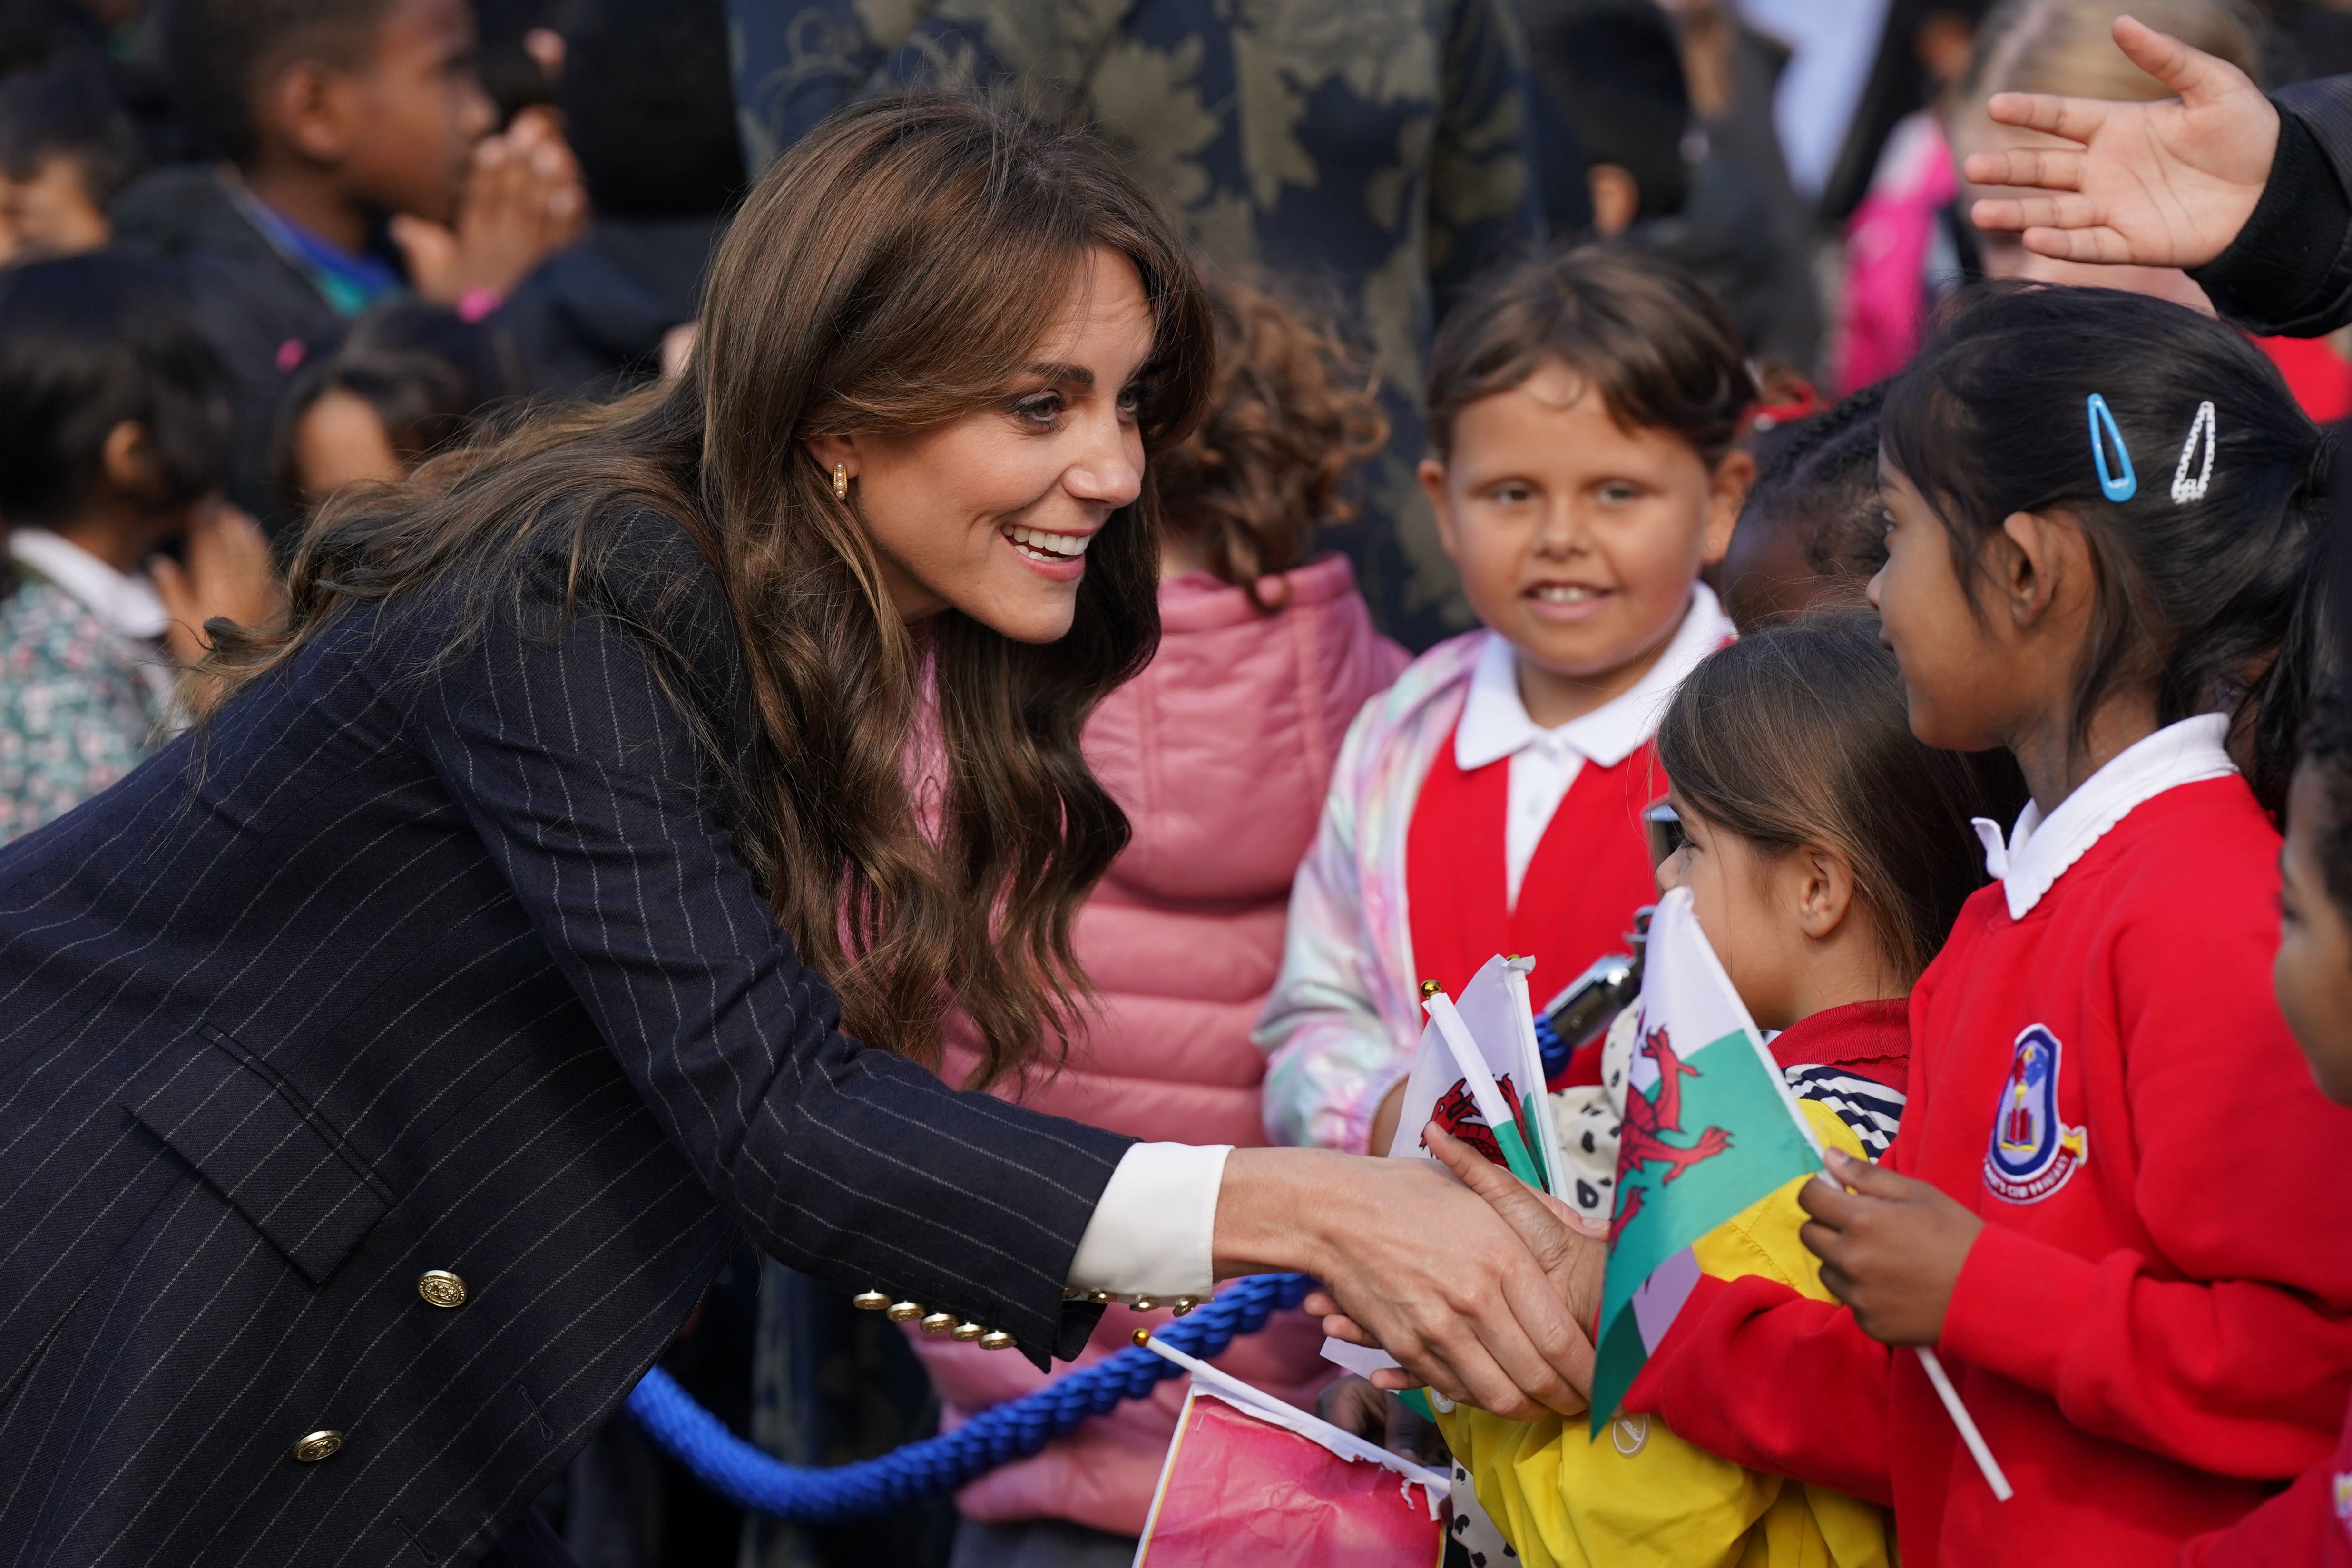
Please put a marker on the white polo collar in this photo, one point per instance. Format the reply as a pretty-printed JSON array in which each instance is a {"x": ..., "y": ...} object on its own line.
[
  {"x": 1495, "y": 722},
  {"x": 2038, "y": 852},
  {"x": 126, "y": 605}
]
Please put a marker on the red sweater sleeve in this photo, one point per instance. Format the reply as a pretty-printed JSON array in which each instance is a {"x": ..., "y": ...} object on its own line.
[
  {"x": 2291, "y": 1530},
  {"x": 1758, "y": 1375},
  {"x": 2221, "y": 1337}
]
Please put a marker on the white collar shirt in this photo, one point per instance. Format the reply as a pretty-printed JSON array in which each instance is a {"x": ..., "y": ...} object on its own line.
[
  {"x": 1544, "y": 762},
  {"x": 2039, "y": 850},
  {"x": 126, "y": 605}
]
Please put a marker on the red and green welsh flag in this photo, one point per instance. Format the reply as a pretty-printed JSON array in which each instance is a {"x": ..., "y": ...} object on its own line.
[{"x": 1710, "y": 1129}]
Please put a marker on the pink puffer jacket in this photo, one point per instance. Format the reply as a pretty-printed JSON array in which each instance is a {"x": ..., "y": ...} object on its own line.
[{"x": 1220, "y": 752}]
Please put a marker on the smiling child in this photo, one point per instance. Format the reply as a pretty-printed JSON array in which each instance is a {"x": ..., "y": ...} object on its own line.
[{"x": 1581, "y": 413}]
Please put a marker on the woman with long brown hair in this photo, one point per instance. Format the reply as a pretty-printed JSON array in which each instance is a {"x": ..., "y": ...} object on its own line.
[{"x": 384, "y": 1066}]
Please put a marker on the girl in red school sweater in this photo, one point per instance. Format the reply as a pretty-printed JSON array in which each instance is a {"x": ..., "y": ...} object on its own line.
[{"x": 2118, "y": 1207}]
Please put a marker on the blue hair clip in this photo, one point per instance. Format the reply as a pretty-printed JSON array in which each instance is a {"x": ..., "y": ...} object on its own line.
[{"x": 2115, "y": 486}]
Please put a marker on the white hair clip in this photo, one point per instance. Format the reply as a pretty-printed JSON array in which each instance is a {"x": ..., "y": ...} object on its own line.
[{"x": 2184, "y": 488}]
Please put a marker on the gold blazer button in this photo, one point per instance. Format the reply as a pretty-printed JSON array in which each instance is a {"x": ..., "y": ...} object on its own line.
[
  {"x": 324, "y": 1443},
  {"x": 964, "y": 1333},
  {"x": 937, "y": 1323},
  {"x": 996, "y": 1340},
  {"x": 903, "y": 1311},
  {"x": 869, "y": 1301},
  {"x": 441, "y": 1289}
]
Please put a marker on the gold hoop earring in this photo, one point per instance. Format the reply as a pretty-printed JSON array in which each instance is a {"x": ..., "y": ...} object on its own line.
[{"x": 841, "y": 481}]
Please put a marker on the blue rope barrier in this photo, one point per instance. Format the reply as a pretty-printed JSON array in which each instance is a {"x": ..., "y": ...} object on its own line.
[{"x": 808, "y": 1494}]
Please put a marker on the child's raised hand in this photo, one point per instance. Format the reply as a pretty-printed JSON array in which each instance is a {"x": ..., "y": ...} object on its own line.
[
  {"x": 1891, "y": 1249},
  {"x": 523, "y": 201},
  {"x": 229, "y": 575}
]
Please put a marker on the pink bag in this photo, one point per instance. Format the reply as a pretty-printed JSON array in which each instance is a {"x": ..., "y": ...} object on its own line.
[{"x": 1241, "y": 1488}]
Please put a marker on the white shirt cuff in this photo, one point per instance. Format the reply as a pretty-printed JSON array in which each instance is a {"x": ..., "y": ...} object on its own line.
[{"x": 1153, "y": 1231}]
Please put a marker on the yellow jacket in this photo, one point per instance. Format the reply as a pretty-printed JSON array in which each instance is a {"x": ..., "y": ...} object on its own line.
[{"x": 1638, "y": 1495}]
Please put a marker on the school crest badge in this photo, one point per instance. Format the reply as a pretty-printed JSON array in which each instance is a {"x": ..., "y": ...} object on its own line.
[{"x": 2032, "y": 1153}]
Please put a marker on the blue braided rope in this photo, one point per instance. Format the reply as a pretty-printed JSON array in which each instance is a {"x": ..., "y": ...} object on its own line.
[{"x": 807, "y": 1494}]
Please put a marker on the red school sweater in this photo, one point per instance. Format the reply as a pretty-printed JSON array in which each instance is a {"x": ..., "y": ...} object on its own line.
[
  {"x": 2309, "y": 1525},
  {"x": 2154, "y": 1328}
]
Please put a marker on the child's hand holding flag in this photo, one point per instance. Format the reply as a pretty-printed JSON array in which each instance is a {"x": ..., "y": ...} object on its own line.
[{"x": 1891, "y": 1247}]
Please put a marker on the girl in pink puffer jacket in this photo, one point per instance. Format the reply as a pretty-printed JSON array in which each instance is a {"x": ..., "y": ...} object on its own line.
[{"x": 1220, "y": 752}]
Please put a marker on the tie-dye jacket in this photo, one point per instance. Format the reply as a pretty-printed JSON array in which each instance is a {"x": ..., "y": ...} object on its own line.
[{"x": 1344, "y": 1014}]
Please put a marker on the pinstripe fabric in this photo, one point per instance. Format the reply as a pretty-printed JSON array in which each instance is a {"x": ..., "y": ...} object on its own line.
[{"x": 409, "y": 964}]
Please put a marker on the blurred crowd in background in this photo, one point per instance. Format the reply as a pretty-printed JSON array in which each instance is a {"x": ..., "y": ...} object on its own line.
[{"x": 369, "y": 258}]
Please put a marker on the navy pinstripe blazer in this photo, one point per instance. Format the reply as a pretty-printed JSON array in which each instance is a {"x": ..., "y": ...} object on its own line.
[{"x": 406, "y": 965}]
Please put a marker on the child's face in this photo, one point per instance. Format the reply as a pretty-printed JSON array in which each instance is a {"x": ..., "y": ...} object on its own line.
[
  {"x": 1943, "y": 647},
  {"x": 1740, "y": 899},
  {"x": 2313, "y": 973},
  {"x": 51, "y": 214},
  {"x": 419, "y": 109},
  {"x": 339, "y": 440},
  {"x": 1579, "y": 540}
]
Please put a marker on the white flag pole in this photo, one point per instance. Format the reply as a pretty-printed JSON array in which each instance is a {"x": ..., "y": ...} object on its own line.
[{"x": 1966, "y": 1423}]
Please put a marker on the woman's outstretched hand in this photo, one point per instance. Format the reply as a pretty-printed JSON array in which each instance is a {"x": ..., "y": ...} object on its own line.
[
  {"x": 2152, "y": 184},
  {"x": 1432, "y": 1274},
  {"x": 1570, "y": 1256}
]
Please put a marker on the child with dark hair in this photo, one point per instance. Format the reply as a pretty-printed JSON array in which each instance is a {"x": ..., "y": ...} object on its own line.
[
  {"x": 1814, "y": 529},
  {"x": 2103, "y": 558},
  {"x": 1219, "y": 752},
  {"x": 359, "y": 162},
  {"x": 648, "y": 109},
  {"x": 1828, "y": 853},
  {"x": 2309, "y": 1524},
  {"x": 1582, "y": 410},
  {"x": 66, "y": 147},
  {"x": 112, "y": 420},
  {"x": 407, "y": 379}
]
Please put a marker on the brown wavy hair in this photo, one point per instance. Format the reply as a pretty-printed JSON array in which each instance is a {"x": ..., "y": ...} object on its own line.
[
  {"x": 1290, "y": 412},
  {"x": 894, "y": 270}
]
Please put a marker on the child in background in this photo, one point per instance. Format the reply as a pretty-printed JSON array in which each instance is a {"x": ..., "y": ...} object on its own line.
[
  {"x": 2309, "y": 1524},
  {"x": 66, "y": 147},
  {"x": 112, "y": 427},
  {"x": 1582, "y": 409},
  {"x": 1827, "y": 853},
  {"x": 359, "y": 162},
  {"x": 649, "y": 107},
  {"x": 1813, "y": 531},
  {"x": 2088, "y": 1211},
  {"x": 1219, "y": 752},
  {"x": 408, "y": 380}
]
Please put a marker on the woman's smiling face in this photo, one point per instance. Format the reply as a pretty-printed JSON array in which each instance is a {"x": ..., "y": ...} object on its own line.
[{"x": 990, "y": 513}]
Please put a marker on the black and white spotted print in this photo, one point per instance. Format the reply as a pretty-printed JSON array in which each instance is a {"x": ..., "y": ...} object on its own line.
[{"x": 1472, "y": 1540}]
